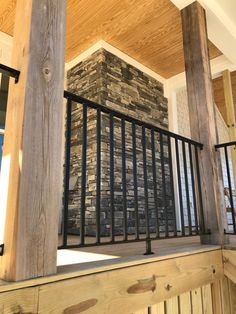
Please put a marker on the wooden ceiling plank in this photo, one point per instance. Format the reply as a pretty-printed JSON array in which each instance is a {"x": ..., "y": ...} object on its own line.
[{"x": 147, "y": 30}]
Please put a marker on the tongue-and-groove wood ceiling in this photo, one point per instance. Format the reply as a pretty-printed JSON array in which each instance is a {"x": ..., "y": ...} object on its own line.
[{"x": 147, "y": 30}]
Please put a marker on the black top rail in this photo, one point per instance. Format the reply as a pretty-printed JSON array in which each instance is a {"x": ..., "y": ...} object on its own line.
[
  {"x": 72, "y": 97},
  {"x": 225, "y": 144},
  {"x": 8, "y": 71}
]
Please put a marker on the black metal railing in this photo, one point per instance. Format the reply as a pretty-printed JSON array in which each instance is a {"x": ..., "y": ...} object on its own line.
[
  {"x": 228, "y": 157},
  {"x": 126, "y": 180},
  {"x": 9, "y": 72}
]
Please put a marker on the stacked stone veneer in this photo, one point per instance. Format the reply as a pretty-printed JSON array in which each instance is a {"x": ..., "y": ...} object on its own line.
[{"x": 108, "y": 80}]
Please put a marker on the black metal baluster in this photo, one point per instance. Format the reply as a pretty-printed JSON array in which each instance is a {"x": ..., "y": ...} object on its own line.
[
  {"x": 135, "y": 181},
  {"x": 187, "y": 187},
  {"x": 172, "y": 183},
  {"x": 164, "y": 185},
  {"x": 145, "y": 182},
  {"x": 98, "y": 178},
  {"x": 124, "y": 178},
  {"x": 112, "y": 207},
  {"x": 83, "y": 177},
  {"x": 230, "y": 187},
  {"x": 199, "y": 186},
  {"x": 193, "y": 186},
  {"x": 67, "y": 171},
  {"x": 179, "y": 186},
  {"x": 154, "y": 173}
]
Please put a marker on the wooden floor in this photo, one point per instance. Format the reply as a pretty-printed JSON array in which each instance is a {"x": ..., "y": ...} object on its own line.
[
  {"x": 118, "y": 251},
  {"x": 130, "y": 250}
]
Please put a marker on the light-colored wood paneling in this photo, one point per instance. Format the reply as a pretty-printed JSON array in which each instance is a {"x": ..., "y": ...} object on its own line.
[
  {"x": 182, "y": 284},
  {"x": 207, "y": 299},
  {"x": 185, "y": 302},
  {"x": 7, "y": 16},
  {"x": 28, "y": 301},
  {"x": 89, "y": 268},
  {"x": 147, "y": 30},
  {"x": 229, "y": 258},
  {"x": 192, "y": 302},
  {"x": 233, "y": 80},
  {"x": 228, "y": 290},
  {"x": 172, "y": 305},
  {"x": 138, "y": 285},
  {"x": 19, "y": 301},
  {"x": 219, "y": 96}
]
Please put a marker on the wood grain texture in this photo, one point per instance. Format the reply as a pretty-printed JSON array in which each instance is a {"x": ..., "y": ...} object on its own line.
[
  {"x": 32, "y": 144},
  {"x": 232, "y": 293},
  {"x": 231, "y": 117},
  {"x": 147, "y": 30},
  {"x": 229, "y": 258},
  {"x": 216, "y": 297},
  {"x": 27, "y": 301},
  {"x": 203, "y": 119},
  {"x": 185, "y": 303},
  {"x": 225, "y": 290},
  {"x": 172, "y": 305},
  {"x": 19, "y": 301},
  {"x": 228, "y": 289},
  {"x": 158, "y": 308},
  {"x": 196, "y": 300},
  {"x": 219, "y": 96},
  {"x": 173, "y": 277},
  {"x": 206, "y": 295},
  {"x": 233, "y": 80}
]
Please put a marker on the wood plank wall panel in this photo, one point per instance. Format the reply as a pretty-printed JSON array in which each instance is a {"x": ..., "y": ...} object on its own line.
[
  {"x": 195, "y": 301},
  {"x": 228, "y": 290},
  {"x": 198, "y": 301},
  {"x": 147, "y": 30},
  {"x": 233, "y": 80},
  {"x": 219, "y": 96},
  {"x": 7, "y": 16},
  {"x": 19, "y": 301},
  {"x": 131, "y": 288},
  {"x": 87, "y": 294}
]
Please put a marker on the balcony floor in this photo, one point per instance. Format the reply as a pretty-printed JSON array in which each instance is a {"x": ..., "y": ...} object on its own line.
[{"x": 125, "y": 250}]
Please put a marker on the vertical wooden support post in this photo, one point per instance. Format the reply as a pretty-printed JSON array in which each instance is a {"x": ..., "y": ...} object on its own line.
[
  {"x": 231, "y": 116},
  {"x": 32, "y": 160},
  {"x": 202, "y": 118}
]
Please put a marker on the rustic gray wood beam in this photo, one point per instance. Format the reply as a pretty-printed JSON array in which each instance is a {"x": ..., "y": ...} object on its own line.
[
  {"x": 203, "y": 118},
  {"x": 32, "y": 150}
]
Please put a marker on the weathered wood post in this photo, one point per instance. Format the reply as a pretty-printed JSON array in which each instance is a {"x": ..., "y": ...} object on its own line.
[
  {"x": 202, "y": 118},
  {"x": 32, "y": 150}
]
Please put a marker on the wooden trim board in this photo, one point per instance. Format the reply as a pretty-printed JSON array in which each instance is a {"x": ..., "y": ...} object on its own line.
[
  {"x": 84, "y": 269},
  {"x": 229, "y": 260}
]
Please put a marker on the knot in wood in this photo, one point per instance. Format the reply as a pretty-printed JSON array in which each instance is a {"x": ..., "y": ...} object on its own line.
[
  {"x": 168, "y": 287},
  {"x": 47, "y": 74},
  {"x": 225, "y": 260}
]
